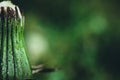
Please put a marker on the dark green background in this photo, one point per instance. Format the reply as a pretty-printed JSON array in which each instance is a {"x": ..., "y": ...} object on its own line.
[{"x": 83, "y": 37}]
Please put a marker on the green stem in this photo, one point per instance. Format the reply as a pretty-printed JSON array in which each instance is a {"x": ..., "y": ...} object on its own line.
[{"x": 13, "y": 58}]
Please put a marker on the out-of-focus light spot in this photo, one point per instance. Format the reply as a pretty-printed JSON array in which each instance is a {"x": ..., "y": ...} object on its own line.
[
  {"x": 98, "y": 23},
  {"x": 37, "y": 46}
]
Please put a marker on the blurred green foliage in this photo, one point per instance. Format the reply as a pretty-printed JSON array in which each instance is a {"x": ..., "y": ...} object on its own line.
[{"x": 82, "y": 37}]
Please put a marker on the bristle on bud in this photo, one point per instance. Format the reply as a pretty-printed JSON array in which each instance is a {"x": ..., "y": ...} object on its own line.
[{"x": 10, "y": 9}]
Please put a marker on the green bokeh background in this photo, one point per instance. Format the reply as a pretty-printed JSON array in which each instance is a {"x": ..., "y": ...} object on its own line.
[{"x": 82, "y": 37}]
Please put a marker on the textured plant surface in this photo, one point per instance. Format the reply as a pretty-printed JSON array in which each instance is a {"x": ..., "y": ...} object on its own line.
[{"x": 14, "y": 64}]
